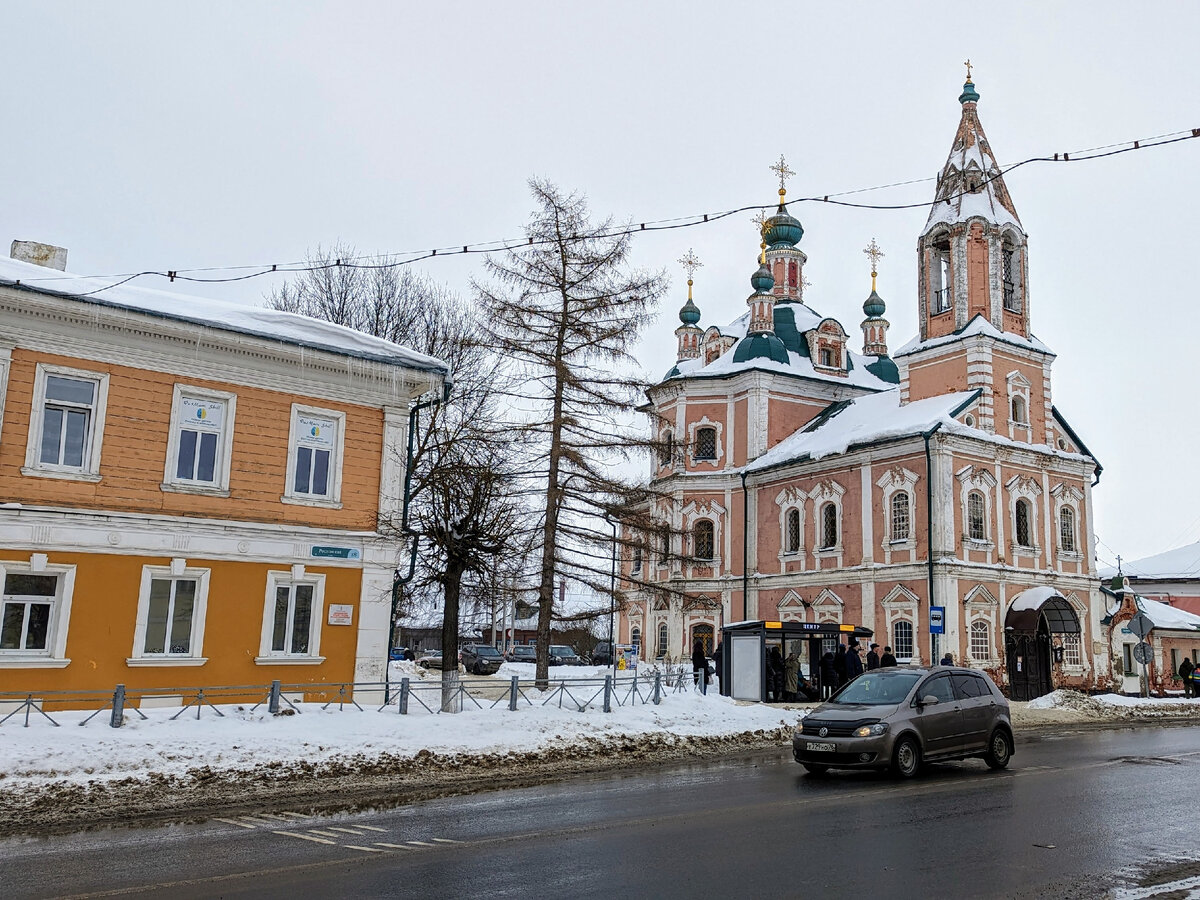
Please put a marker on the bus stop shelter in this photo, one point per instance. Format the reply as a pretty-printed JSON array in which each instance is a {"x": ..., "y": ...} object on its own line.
[{"x": 748, "y": 644}]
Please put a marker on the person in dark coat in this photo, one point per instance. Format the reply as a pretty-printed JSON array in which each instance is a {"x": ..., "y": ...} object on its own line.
[
  {"x": 873, "y": 657},
  {"x": 1185, "y": 673},
  {"x": 947, "y": 660},
  {"x": 699, "y": 662},
  {"x": 839, "y": 664},
  {"x": 888, "y": 658},
  {"x": 717, "y": 656},
  {"x": 774, "y": 675},
  {"x": 854, "y": 666},
  {"x": 828, "y": 676}
]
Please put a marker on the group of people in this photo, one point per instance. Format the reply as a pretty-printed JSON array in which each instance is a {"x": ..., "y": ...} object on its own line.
[
  {"x": 1190, "y": 676},
  {"x": 846, "y": 663}
]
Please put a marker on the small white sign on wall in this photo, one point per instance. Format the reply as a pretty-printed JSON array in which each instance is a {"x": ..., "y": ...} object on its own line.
[{"x": 341, "y": 614}]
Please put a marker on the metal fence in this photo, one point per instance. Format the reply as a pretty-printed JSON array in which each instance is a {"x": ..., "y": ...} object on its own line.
[{"x": 406, "y": 697}]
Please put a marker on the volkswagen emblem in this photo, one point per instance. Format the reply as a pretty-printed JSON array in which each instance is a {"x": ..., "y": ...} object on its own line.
[{"x": 823, "y": 732}]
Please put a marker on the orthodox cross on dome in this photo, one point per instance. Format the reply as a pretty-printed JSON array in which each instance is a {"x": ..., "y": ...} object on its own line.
[
  {"x": 968, "y": 65},
  {"x": 804, "y": 282},
  {"x": 784, "y": 173},
  {"x": 874, "y": 254},
  {"x": 760, "y": 222},
  {"x": 690, "y": 263}
]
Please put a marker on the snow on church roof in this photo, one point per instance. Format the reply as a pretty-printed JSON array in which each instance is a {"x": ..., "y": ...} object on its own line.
[
  {"x": 1170, "y": 617},
  {"x": 977, "y": 326},
  {"x": 1180, "y": 564},
  {"x": 866, "y": 420},
  {"x": 262, "y": 322}
]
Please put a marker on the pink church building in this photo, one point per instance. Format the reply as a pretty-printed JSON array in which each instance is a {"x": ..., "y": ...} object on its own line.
[{"x": 803, "y": 480}]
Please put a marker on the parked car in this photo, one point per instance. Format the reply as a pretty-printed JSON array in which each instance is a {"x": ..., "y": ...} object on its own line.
[
  {"x": 523, "y": 653},
  {"x": 481, "y": 659},
  {"x": 900, "y": 718},
  {"x": 602, "y": 654},
  {"x": 431, "y": 660},
  {"x": 562, "y": 655}
]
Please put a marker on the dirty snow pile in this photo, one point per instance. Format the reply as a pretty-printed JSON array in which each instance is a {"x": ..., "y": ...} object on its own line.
[
  {"x": 1072, "y": 706},
  {"x": 244, "y": 739}
]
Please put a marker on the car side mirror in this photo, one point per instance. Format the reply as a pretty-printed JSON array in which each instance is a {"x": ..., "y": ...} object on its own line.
[{"x": 928, "y": 700}]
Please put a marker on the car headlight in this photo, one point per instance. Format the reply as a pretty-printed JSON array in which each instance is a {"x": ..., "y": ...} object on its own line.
[{"x": 870, "y": 730}]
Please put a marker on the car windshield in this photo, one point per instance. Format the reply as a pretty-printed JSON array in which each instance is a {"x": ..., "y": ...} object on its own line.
[
  {"x": 560, "y": 650},
  {"x": 878, "y": 688},
  {"x": 486, "y": 651}
]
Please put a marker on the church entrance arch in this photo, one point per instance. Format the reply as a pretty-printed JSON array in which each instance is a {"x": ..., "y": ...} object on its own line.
[{"x": 1034, "y": 619}]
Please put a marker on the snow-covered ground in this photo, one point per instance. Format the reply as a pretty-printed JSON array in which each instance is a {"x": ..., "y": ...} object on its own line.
[{"x": 246, "y": 740}]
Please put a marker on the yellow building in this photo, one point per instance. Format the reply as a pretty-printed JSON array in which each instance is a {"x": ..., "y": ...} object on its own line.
[{"x": 191, "y": 491}]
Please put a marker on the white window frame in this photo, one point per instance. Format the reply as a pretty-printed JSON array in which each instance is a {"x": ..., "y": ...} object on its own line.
[
  {"x": 5, "y": 364},
  {"x": 892, "y": 482},
  {"x": 696, "y": 523},
  {"x": 912, "y": 637},
  {"x": 979, "y": 626},
  {"x": 1069, "y": 510},
  {"x": 177, "y": 571},
  {"x": 291, "y": 578},
  {"x": 821, "y": 494},
  {"x": 90, "y": 470},
  {"x": 976, "y": 478},
  {"x": 692, "y": 429},
  {"x": 54, "y": 656},
  {"x": 220, "y": 486},
  {"x": 1019, "y": 388},
  {"x": 787, "y": 500},
  {"x": 333, "y": 500}
]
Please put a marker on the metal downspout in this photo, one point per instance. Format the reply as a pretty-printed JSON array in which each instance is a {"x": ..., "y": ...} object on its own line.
[{"x": 929, "y": 505}]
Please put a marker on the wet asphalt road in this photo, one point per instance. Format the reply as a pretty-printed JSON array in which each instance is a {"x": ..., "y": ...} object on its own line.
[{"x": 1073, "y": 812}]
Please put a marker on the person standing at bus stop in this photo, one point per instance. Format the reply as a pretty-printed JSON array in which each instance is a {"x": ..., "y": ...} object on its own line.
[
  {"x": 1185, "y": 675},
  {"x": 699, "y": 661}
]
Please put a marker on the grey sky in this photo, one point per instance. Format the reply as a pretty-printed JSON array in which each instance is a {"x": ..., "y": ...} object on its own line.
[{"x": 150, "y": 135}]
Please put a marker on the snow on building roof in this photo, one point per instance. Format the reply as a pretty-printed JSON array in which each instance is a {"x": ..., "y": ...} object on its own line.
[
  {"x": 224, "y": 315},
  {"x": 792, "y": 320},
  {"x": 1182, "y": 563},
  {"x": 977, "y": 326},
  {"x": 1033, "y": 598},
  {"x": 1169, "y": 617},
  {"x": 865, "y": 420}
]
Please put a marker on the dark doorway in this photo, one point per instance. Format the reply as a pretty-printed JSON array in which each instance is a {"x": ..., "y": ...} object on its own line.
[
  {"x": 704, "y": 634},
  {"x": 1028, "y": 642}
]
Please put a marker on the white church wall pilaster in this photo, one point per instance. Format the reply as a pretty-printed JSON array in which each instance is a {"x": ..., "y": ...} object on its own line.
[
  {"x": 868, "y": 515},
  {"x": 731, "y": 431}
]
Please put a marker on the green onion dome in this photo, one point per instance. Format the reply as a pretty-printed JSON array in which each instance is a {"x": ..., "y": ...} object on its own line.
[
  {"x": 689, "y": 314},
  {"x": 762, "y": 280},
  {"x": 783, "y": 229},
  {"x": 969, "y": 93},
  {"x": 874, "y": 306}
]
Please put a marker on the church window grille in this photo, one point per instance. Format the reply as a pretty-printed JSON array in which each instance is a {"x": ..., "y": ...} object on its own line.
[
  {"x": 636, "y": 566},
  {"x": 829, "y": 526},
  {"x": 901, "y": 530},
  {"x": 976, "y": 530},
  {"x": 1066, "y": 529},
  {"x": 1073, "y": 650},
  {"x": 793, "y": 530},
  {"x": 702, "y": 538},
  {"x": 706, "y": 443},
  {"x": 667, "y": 449},
  {"x": 826, "y": 357},
  {"x": 1024, "y": 532},
  {"x": 1008, "y": 264},
  {"x": 662, "y": 640},
  {"x": 902, "y": 639},
  {"x": 981, "y": 640}
]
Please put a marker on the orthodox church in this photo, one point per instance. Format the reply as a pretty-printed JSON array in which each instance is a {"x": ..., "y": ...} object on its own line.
[{"x": 933, "y": 493}]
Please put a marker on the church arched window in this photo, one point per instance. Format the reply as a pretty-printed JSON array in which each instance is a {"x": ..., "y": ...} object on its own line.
[
  {"x": 706, "y": 443},
  {"x": 976, "y": 524},
  {"x": 793, "y": 530},
  {"x": 1024, "y": 516},
  {"x": 901, "y": 523},
  {"x": 666, "y": 449},
  {"x": 1020, "y": 412},
  {"x": 662, "y": 640},
  {"x": 1010, "y": 275},
  {"x": 902, "y": 639},
  {"x": 829, "y": 526},
  {"x": 702, "y": 538},
  {"x": 939, "y": 288},
  {"x": 1066, "y": 529}
]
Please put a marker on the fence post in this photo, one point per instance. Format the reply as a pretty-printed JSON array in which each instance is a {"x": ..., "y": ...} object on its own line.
[
  {"x": 404, "y": 688},
  {"x": 704, "y": 681},
  {"x": 657, "y": 688},
  {"x": 608, "y": 693},
  {"x": 513, "y": 690},
  {"x": 273, "y": 702},
  {"x": 118, "y": 707}
]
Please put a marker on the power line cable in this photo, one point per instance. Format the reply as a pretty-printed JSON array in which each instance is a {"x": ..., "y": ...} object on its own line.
[{"x": 389, "y": 261}]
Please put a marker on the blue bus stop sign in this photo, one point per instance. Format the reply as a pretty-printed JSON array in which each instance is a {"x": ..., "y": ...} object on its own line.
[{"x": 937, "y": 620}]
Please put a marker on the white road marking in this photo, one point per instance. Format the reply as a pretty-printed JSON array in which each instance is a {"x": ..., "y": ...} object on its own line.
[
  {"x": 306, "y": 837},
  {"x": 422, "y": 844},
  {"x": 371, "y": 828},
  {"x": 235, "y": 822},
  {"x": 364, "y": 849},
  {"x": 446, "y": 841},
  {"x": 255, "y": 821},
  {"x": 396, "y": 846},
  {"x": 328, "y": 834},
  {"x": 271, "y": 816},
  {"x": 352, "y": 831},
  {"x": 295, "y": 815}
]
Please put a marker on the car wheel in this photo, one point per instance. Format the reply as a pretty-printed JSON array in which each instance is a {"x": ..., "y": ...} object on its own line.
[
  {"x": 814, "y": 769},
  {"x": 906, "y": 758},
  {"x": 999, "y": 750}
]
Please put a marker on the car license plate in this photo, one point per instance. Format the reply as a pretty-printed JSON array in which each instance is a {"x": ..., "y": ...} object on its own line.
[{"x": 820, "y": 748}]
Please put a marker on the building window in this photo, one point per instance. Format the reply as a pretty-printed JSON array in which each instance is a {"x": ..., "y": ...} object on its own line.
[
  {"x": 198, "y": 449},
  {"x": 976, "y": 527},
  {"x": 1020, "y": 414},
  {"x": 67, "y": 423},
  {"x": 706, "y": 443},
  {"x": 829, "y": 526},
  {"x": 170, "y": 616},
  {"x": 902, "y": 639},
  {"x": 826, "y": 357},
  {"x": 635, "y": 638},
  {"x": 1066, "y": 529},
  {"x": 1073, "y": 651},
  {"x": 292, "y": 617},
  {"x": 636, "y": 566},
  {"x": 702, "y": 538},
  {"x": 662, "y": 640},
  {"x": 940, "y": 272},
  {"x": 1024, "y": 531},
  {"x": 666, "y": 449},
  {"x": 315, "y": 456},
  {"x": 1127, "y": 659},
  {"x": 900, "y": 516},
  {"x": 793, "y": 530},
  {"x": 29, "y": 602},
  {"x": 664, "y": 547},
  {"x": 1008, "y": 257},
  {"x": 981, "y": 640}
]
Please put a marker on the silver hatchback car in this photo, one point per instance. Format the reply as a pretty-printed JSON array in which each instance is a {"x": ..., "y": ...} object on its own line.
[{"x": 897, "y": 718}]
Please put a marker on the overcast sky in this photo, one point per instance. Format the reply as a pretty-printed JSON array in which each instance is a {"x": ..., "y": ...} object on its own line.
[{"x": 155, "y": 136}]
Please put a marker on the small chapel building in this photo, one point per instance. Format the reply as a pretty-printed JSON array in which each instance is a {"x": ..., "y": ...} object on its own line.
[{"x": 802, "y": 480}]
